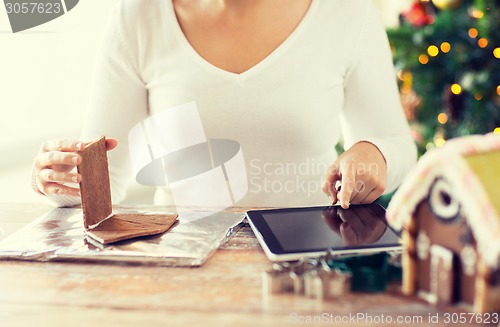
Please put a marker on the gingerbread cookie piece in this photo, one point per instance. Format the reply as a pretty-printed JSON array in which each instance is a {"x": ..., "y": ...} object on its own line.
[
  {"x": 120, "y": 227},
  {"x": 99, "y": 221},
  {"x": 95, "y": 187}
]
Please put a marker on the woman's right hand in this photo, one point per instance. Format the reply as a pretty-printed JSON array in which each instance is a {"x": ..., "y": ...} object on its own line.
[{"x": 54, "y": 166}]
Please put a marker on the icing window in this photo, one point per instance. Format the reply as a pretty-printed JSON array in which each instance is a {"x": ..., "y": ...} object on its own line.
[{"x": 442, "y": 202}]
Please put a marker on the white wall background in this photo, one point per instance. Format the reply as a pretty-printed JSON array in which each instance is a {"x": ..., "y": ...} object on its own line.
[{"x": 45, "y": 76}]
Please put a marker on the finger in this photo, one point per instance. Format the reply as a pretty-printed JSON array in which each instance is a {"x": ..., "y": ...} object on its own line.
[
  {"x": 59, "y": 189},
  {"x": 356, "y": 194},
  {"x": 335, "y": 192},
  {"x": 50, "y": 175},
  {"x": 373, "y": 190},
  {"x": 361, "y": 190},
  {"x": 62, "y": 145},
  {"x": 51, "y": 158},
  {"x": 111, "y": 143},
  {"x": 336, "y": 188},
  {"x": 372, "y": 196},
  {"x": 331, "y": 179},
  {"x": 348, "y": 182}
]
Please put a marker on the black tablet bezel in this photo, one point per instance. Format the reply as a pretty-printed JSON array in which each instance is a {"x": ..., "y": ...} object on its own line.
[{"x": 273, "y": 247}]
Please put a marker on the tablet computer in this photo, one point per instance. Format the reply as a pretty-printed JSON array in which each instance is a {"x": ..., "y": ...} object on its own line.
[{"x": 295, "y": 233}]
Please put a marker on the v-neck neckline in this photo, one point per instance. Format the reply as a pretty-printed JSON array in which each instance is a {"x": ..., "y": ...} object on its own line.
[{"x": 266, "y": 61}]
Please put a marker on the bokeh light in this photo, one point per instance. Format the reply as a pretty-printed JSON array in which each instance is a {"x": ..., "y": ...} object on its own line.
[
  {"x": 439, "y": 141},
  {"x": 442, "y": 118},
  {"x": 432, "y": 50},
  {"x": 496, "y": 53},
  {"x": 476, "y": 13},
  {"x": 423, "y": 59},
  {"x": 456, "y": 89},
  {"x": 445, "y": 47},
  {"x": 473, "y": 33},
  {"x": 482, "y": 42}
]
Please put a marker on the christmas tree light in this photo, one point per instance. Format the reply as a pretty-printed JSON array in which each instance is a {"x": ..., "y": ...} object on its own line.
[{"x": 451, "y": 49}]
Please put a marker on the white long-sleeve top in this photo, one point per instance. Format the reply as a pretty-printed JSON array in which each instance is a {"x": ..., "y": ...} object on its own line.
[{"x": 332, "y": 77}]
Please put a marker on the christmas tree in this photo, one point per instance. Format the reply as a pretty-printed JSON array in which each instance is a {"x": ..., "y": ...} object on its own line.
[{"x": 447, "y": 53}]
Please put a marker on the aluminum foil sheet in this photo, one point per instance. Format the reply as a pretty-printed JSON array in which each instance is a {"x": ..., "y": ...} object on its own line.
[{"x": 60, "y": 235}]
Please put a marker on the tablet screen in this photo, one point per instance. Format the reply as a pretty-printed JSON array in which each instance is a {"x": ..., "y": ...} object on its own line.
[{"x": 306, "y": 229}]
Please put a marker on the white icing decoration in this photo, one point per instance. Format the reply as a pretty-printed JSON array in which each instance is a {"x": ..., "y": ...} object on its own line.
[
  {"x": 439, "y": 206},
  {"x": 423, "y": 245},
  {"x": 468, "y": 257}
]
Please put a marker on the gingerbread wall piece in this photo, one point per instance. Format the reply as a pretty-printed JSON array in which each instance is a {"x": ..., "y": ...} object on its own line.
[
  {"x": 95, "y": 186},
  {"x": 449, "y": 210},
  {"x": 99, "y": 221}
]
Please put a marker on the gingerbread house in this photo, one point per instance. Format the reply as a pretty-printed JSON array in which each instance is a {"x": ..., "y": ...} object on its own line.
[{"x": 449, "y": 212}]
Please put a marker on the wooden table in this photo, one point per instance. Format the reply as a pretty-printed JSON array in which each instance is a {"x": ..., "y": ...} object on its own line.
[{"x": 226, "y": 291}]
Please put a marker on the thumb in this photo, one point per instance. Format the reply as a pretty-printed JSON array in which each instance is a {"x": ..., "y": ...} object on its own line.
[{"x": 111, "y": 143}]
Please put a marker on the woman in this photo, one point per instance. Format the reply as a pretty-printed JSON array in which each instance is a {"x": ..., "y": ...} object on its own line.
[{"x": 283, "y": 78}]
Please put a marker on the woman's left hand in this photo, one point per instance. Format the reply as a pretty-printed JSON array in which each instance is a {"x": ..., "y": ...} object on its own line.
[{"x": 362, "y": 173}]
